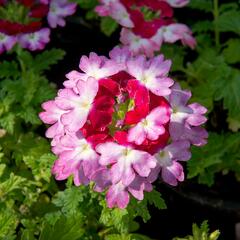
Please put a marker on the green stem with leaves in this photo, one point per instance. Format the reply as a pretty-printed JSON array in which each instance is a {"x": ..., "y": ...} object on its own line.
[{"x": 216, "y": 29}]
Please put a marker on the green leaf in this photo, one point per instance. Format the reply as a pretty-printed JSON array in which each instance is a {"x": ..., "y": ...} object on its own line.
[
  {"x": 30, "y": 115},
  {"x": 12, "y": 183},
  {"x": 229, "y": 22},
  {"x": 118, "y": 218},
  {"x": 206, "y": 75},
  {"x": 87, "y": 4},
  {"x": 155, "y": 198},
  {"x": 28, "y": 235},
  {"x": 8, "y": 223},
  {"x": 201, "y": 233},
  {"x": 211, "y": 158},
  {"x": 69, "y": 199},
  {"x": 64, "y": 229},
  {"x": 9, "y": 69},
  {"x": 229, "y": 90},
  {"x": 202, "y": 26},
  {"x": 176, "y": 54},
  {"x": 108, "y": 25},
  {"x": 7, "y": 122},
  {"x": 204, "y": 5},
  {"x": 47, "y": 58},
  {"x": 140, "y": 208},
  {"x": 231, "y": 52}
]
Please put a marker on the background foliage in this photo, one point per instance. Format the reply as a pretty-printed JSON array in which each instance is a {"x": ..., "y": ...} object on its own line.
[{"x": 34, "y": 206}]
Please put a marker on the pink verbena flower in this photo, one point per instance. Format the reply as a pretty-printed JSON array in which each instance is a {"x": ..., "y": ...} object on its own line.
[
  {"x": 78, "y": 159},
  {"x": 150, "y": 127},
  {"x": 6, "y": 42},
  {"x": 167, "y": 162},
  {"x": 118, "y": 194},
  {"x": 124, "y": 162},
  {"x": 52, "y": 115},
  {"x": 28, "y": 33},
  {"x": 140, "y": 45},
  {"x": 152, "y": 73},
  {"x": 175, "y": 32},
  {"x": 186, "y": 119},
  {"x": 92, "y": 66},
  {"x": 77, "y": 105},
  {"x": 116, "y": 10},
  {"x": 121, "y": 122},
  {"x": 36, "y": 40},
  {"x": 58, "y": 10},
  {"x": 144, "y": 35}
]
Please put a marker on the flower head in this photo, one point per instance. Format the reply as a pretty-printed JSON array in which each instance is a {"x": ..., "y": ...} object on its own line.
[
  {"x": 122, "y": 123},
  {"x": 58, "y": 10}
]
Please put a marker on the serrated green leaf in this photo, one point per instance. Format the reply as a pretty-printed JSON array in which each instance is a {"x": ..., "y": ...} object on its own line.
[
  {"x": 108, "y": 25},
  {"x": 118, "y": 218},
  {"x": 7, "y": 122},
  {"x": 28, "y": 235},
  {"x": 69, "y": 199},
  {"x": 155, "y": 198},
  {"x": 176, "y": 54},
  {"x": 229, "y": 22},
  {"x": 12, "y": 183},
  {"x": 64, "y": 229},
  {"x": 8, "y": 223},
  {"x": 206, "y": 75},
  {"x": 228, "y": 90},
  {"x": 201, "y": 233},
  {"x": 47, "y": 58},
  {"x": 211, "y": 158},
  {"x": 204, "y": 5},
  {"x": 231, "y": 52},
  {"x": 30, "y": 115},
  {"x": 9, "y": 69},
  {"x": 202, "y": 26}
]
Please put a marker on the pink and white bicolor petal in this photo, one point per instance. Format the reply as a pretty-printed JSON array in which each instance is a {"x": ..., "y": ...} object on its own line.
[
  {"x": 72, "y": 78},
  {"x": 178, "y": 100},
  {"x": 152, "y": 73},
  {"x": 138, "y": 186},
  {"x": 52, "y": 115},
  {"x": 125, "y": 162},
  {"x": 173, "y": 173},
  {"x": 139, "y": 45},
  {"x": 78, "y": 105},
  {"x": 119, "y": 13},
  {"x": 6, "y": 42},
  {"x": 36, "y": 40},
  {"x": 197, "y": 118},
  {"x": 151, "y": 127},
  {"x": 117, "y": 196},
  {"x": 120, "y": 55},
  {"x": 58, "y": 10},
  {"x": 79, "y": 156},
  {"x": 177, "y": 31},
  {"x": 98, "y": 66}
]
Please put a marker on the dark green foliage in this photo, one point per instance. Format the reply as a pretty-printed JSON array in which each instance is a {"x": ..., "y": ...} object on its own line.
[{"x": 201, "y": 233}]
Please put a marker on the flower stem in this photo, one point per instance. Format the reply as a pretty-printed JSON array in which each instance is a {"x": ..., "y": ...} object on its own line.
[{"x": 216, "y": 29}]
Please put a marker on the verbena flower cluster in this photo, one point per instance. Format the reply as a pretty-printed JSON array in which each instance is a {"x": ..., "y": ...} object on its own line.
[
  {"x": 22, "y": 22},
  {"x": 147, "y": 24},
  {"x": 121, "y": 122}
]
